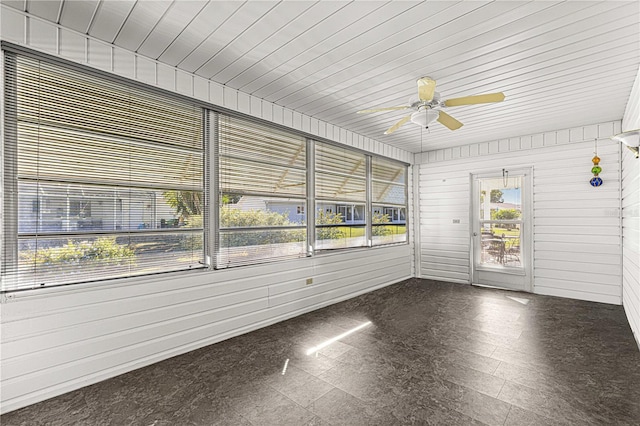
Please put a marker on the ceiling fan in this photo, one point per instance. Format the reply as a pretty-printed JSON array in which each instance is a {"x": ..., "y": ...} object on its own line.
[{"x": 427, "y": 108}]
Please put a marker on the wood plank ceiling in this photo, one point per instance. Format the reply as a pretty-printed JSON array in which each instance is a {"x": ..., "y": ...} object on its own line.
[{"x": 560, "y": 64}]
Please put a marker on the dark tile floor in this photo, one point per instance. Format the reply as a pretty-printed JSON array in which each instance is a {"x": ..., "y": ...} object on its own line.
[{"x": 433, "y": 354}]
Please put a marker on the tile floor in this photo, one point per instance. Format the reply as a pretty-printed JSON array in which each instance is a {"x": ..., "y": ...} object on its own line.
[{"x": 433, "y": 354}]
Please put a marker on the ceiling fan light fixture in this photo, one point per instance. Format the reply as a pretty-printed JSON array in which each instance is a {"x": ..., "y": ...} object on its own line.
[{"x": 424, "y": 117}]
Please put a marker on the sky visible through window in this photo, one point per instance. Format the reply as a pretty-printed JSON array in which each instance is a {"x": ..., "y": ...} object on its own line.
[{"x": 511, "y": 195}]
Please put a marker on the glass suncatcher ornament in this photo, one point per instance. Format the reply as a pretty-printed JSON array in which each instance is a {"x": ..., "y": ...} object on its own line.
[{"x": 596, "y": 169}]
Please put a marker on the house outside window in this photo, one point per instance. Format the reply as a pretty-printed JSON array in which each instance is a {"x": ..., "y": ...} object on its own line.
[
  {"x": 262, "y": 185},
  {"x": 107, "y": 179},
  {"x": 352, "y": 213},
  {"x": 340, "y": 197},
  {"x": 93, "y": 168},
  {"x": 389, "y": 199}
]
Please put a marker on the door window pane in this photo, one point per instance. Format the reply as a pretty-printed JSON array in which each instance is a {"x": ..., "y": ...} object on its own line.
[
  {"x": 501, "y": 218},
  {"x": 500, "y": 244},
  {"x": 500, "y": 202}
]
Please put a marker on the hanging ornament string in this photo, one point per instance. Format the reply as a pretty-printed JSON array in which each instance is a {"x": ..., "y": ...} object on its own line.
[{"x": 596, "y": 169}]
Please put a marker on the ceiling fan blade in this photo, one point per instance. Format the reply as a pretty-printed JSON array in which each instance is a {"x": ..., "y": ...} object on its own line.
[
  {"x": 398, "y": 125},
  {"x": 426, "y": 88},
  {"x": 365, "y": 111},
  {"x": 448, "y": 121},
  {"x": 478, "y": 99}
]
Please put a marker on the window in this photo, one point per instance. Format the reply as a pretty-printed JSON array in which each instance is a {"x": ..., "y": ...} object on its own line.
[
  {"x": 501, "y": 220},
  {"x": 389, "y": 200},
  {"x": 102, "y": 179},
  {"x": 353, "y": 213},
  {"x": 262, "y": 192},
  {"x": 341, "y": 197}
]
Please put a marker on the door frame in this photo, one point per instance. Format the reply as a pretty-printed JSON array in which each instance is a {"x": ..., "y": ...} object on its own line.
[{"x": 526, "y": 233}]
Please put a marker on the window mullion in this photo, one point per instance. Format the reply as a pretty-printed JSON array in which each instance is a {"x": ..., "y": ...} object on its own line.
[
  {"x": 369, "y": 204},
  {"x": 311, "y": 197},
  {"x": 209, "y": 216},
  {"x": 216, "y": 187},
  {"x": 9, "y": 154}
]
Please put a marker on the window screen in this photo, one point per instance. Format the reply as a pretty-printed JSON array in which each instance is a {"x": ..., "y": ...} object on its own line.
[
  {"x": 102, "y": 179},
  {"x": 341, "y": 197},
  {"x": 389, "y": 200},
  {"x": 262, "y": 193}
]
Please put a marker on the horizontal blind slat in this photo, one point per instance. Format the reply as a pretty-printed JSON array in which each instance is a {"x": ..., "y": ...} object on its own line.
[
  {"x": 260, "y": 169},
  {"x": 109, "y": 178},
  {"x": 389, "y": 201},
  {"x": 77, "y": 100},
  {"x": 340, "y": 174}
]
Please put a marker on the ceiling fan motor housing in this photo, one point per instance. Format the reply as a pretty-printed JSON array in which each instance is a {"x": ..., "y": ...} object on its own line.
[{"x": 415, "y": 102}]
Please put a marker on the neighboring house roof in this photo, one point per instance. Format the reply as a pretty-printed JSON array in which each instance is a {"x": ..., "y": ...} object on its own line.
[
  {"x": 394, "y": 195},
  {"x": 248, "y": 203}
]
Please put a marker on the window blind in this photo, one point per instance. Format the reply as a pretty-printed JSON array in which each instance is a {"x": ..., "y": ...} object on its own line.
[
  {"x": 340, "y": 173},
  {"x": 103, "y": 179},
  {"x": 262, "y": 193},
  {"x": 389, "y": 201},
  {"x": 341, "y": 197}
]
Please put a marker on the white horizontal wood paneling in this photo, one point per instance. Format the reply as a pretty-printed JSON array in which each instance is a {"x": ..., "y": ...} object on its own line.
[
  {"x": 109, "y": 18},
  {"x": 444, "y": 249},
  {"x": 39, "y": 34},
  {"x": 57, "y": 340},
  {"x": 49, "y": 10},
  {"x": 576, "y": 228},
  {"x": 631, "y": 216},
  {"x": 631, "y": 118},
  {"x": 79, "y": 18},
  {"x": 140, "y": 22}
]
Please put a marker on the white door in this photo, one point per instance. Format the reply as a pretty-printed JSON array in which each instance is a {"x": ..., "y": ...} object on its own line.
[{"x": 501, "y": 229}]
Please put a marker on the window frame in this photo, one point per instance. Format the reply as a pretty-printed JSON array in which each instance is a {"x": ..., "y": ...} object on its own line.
[
  {"x": 12, "y": 56},
  {"x": 294, "y": 200},
  {"x": 381, "y": 207},
  {"x": 211, "y": 228},
  {"x": 333, "y": 204}
]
